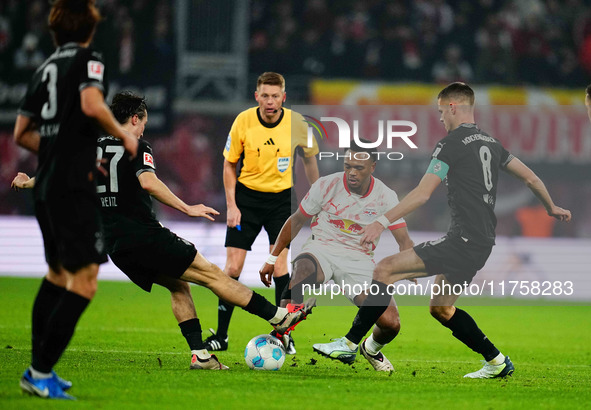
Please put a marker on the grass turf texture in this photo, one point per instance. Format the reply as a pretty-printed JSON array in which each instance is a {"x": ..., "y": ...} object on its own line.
[{"x": 128, "y": 353}]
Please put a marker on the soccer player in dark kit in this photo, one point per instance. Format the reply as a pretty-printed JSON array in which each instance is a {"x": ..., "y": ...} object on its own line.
[
  {"x": 58, "y": 120},
  {"x": 468, "y": 159},
  {"x": 149, "y": 253}
]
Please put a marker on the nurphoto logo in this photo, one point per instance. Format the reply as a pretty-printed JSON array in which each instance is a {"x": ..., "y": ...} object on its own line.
[{"x": 388, "y": 130}]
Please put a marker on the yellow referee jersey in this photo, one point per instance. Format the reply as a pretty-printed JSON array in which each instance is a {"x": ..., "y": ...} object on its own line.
[{"x": 268, "y": 148}]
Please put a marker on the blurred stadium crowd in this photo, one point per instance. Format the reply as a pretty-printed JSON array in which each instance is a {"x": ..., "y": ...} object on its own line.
[
  {"x": 521, "y": 42},
  {"x": 534, "y": 42},
  {"x": 134, "y": 36}
]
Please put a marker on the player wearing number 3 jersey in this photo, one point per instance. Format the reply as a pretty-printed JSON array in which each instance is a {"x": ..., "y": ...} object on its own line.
[
  {"x": 58, "y": 119},
  {"x": 468, "y": 160}
]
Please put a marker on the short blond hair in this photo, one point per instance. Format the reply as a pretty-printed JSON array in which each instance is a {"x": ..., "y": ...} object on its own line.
[{"x": 271, "y": 78}]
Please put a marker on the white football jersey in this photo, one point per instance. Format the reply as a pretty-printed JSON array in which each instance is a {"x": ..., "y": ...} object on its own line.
[{"x": 339, "y": 215}]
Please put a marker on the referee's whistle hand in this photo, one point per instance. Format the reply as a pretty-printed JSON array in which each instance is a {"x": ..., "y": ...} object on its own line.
[{"x": 234, "y": 217}]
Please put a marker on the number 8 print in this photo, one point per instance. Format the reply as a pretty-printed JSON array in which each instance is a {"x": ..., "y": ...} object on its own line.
[{"x": 485, "y": 158}]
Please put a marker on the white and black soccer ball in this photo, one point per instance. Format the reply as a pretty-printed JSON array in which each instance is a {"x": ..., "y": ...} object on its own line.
[{"x": 264, "y": 352}]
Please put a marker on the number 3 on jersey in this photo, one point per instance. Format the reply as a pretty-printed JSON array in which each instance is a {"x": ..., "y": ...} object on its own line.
[
  {"x": 485, "y": 158},
  {"x": 49, "y": 109},
  {"x": 113, "y": 181}
]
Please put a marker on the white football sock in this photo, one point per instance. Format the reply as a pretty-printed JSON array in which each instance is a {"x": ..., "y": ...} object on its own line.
[
  {"x": 279, "y": 316},
  {"x": 39, "y": 375},
  {"x": 500, "y": 359},
  {"x": 202, "y": 354},
  {"x": 371, "y": 346}
]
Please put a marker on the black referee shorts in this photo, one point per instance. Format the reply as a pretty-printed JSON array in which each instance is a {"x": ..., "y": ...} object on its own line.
[
  {"x": 162, "y": 254},
  {"x": 267, "y": 210},
  {"x": 71, "y": 226},
  {"x": 451, "y": 256}
]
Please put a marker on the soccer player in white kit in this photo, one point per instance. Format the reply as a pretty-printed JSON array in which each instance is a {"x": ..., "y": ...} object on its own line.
[{"x": 339, "y": 206}]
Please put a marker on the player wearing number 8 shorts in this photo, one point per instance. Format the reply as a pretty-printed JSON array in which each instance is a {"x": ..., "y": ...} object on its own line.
[{"x": 468, "y": 159}]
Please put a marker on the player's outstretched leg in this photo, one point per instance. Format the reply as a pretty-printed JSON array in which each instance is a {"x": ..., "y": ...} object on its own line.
[{"x": 205, "y": 273}]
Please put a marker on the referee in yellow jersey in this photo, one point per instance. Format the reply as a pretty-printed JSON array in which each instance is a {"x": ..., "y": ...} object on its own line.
[{"x": 264, "y": 140}]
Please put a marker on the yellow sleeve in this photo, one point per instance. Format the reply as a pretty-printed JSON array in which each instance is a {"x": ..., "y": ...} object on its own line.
[
  {"x": 300, "y": 136},
  {"x": 235, "y": 142}
]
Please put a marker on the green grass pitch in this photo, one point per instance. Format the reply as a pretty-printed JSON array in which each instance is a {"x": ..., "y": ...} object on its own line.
[{"x": 128, "y": 353}]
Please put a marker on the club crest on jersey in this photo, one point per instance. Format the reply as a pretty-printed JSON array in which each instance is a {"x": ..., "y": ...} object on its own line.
[
  {"x": 370, "y": 212},
  {"x": 96, "y": 69},
  {"x": 148, "y": 160},
  {"x": 283, "y": 164}
]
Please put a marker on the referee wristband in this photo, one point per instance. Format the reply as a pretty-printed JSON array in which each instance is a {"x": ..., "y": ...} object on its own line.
[
  {"x": 384, "y": 221},
  {"x": 271, "y": 260}
]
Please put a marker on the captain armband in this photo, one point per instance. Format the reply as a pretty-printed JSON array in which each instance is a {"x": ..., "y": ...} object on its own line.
[{"x": 438, "y": 167}]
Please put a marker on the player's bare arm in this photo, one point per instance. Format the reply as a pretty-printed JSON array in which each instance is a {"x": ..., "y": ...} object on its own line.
[
  {"x": 26, "y": 133},
  {"x": 518, "y": 169},
  {"x": 22, "y": 181},
  {"x": 230, "y": 178},
  {"x": 416, "y": 198},
  {"x": 290, "y": 230},
  {"x": 311, "y": 168},
  {"x": 93, "y": 105},
  {"x": 158, "y": 189},
  {"x": 402, "y": 238}
]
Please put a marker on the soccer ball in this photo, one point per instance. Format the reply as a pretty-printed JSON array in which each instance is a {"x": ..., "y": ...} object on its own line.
[{"x": 264, "y": 352}]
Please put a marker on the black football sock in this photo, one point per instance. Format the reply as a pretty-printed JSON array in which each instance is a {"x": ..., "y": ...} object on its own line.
[
  {"x": 465, "y": 329},
  {"x": 225, "y": 311},
  {"x": 281, "y": 283},
  {"x": 59, "y": 331},
  {"x": 261, "y": 307},
  {"x": 374, "y": 306},
  {"x": 191, "y": 330},
  {"x": 296, "y": 293},
  {"x": 47, "y": 299},
  {"x": 286, "y": 295}
]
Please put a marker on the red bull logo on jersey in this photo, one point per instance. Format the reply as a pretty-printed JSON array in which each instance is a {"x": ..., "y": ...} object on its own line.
[{"x": 347, "y": 226}]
